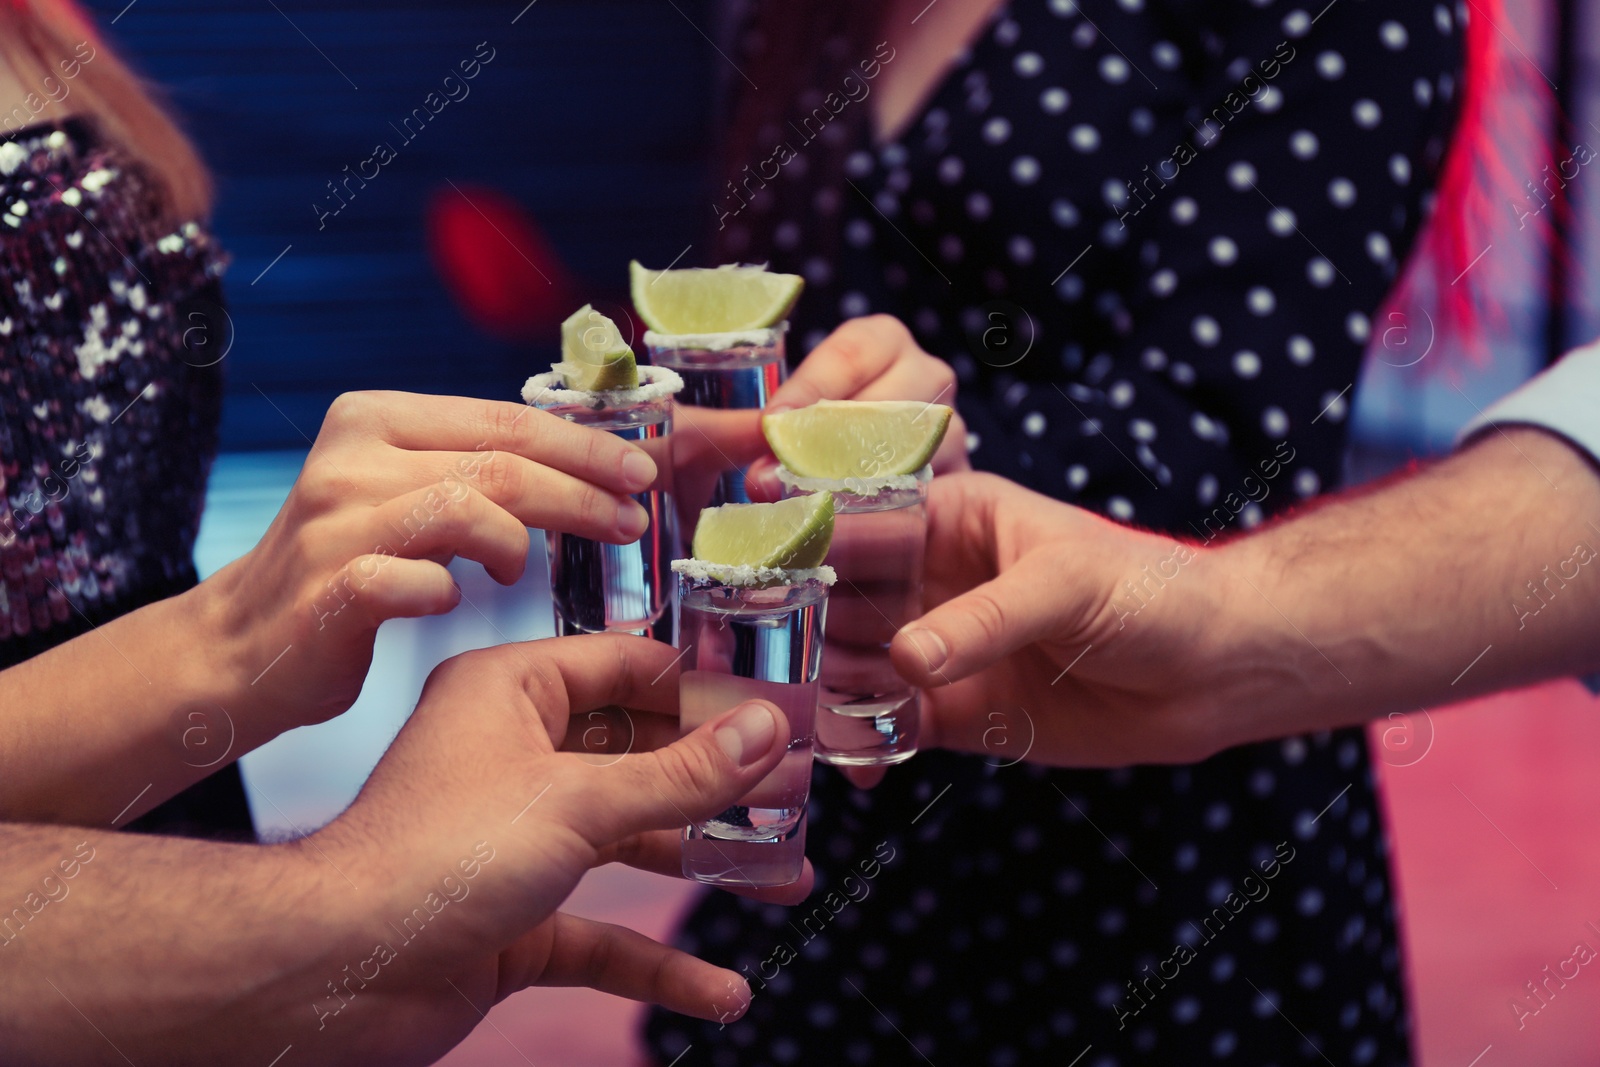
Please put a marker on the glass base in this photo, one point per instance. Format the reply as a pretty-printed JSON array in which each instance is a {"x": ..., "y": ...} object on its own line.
[
  {"x": 664, "y": 629},
  {"x": 868, "y": 733},
  {"x": 716, "y": 861}
]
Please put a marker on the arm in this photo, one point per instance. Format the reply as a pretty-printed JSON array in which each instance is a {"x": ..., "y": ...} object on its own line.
[
  {"x": 395, "y": 485},
  {"x": 383, "y": 938},
  {"x": 1417, "y": 592}
]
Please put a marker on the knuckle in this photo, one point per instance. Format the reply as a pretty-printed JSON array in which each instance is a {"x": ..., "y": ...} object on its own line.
[
  {"x": 686, "y": 769},
  {"x": 508, "y": 423},
  {"x": 349, "y": 411},
  {"x": 987, "y": 614},
  {"x": 499, "y": 478}
]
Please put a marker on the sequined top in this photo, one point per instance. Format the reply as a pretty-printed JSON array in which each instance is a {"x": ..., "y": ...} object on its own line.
[{"x": 112, "y": 329}]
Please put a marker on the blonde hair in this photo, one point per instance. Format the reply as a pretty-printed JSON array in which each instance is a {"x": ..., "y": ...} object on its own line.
[{"x": 52, "y": 43}]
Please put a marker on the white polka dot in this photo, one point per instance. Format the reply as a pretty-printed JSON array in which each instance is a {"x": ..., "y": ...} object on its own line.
[
  {"x": 1333, "y": 406},
  {"x": 1260, "y": 300},
  {"x": 1141, "y": 121},
  {"x": 1330, "y": 65},
  {"x": 973, "y": 441},
  {"x": 1422, "y": 92},
  {"x": 1186, "y": 1010},
  {"x": 1223, "y": 251},
  {"x": 1367, "y": 114},
  {"x": 787, "y": 235},
  {"x": 978, "y": 205},
  {"x": 1306, "y": 482},
  {"x": 1020, "y": 249},
  {"x": 1303, "y": 144},
  {"x": 1114, "y": 192},
  {"x": 1163, "y": 282},
  {"x": 1120, "y": 509},
  {"x": 1131, "y": 5},
  {"x": 1085, "y": 35},
  {"x": 1281, "y": 221},
  {"x": 1269, "y": 99},
  {"x": 1185, "y": 210},
  {"x": 1165, "y": 54},
  {"x": 1441, "y": 18},
  {"x": 1246, "y": 364},
  {"x": 996, "y": 130},
  {"x": 1033, "y": 424},
  {"x": 1342, "y": 191},
  {"x": 1070, "y": 288},
  {"x": 1120, "y": 395},
  {"x": 1275, "y": 422},
  {"x": 1241, "y": 175},
  {"x": 1027, "y": 64},
  {"x": 1025, "y": 170},
  {"x": 1114, "y": 69},
  {"x": 1142, "y": 430},
  {"x": 1153, "y": 359},
  {"x": 853, "y": 305},
  {"x": 1400, "y": 169},
  {"x": 1296, "y": 23},
  {"x": 1357, "y": 327},
  {"x": 817, "y": 271},
  {"x": 1378, "y": 248},
  {"x": 950, "y": 169},
  {"x": 1054, "y": 100},
  {"x": 1007, "y": 32},
  {"x": 1205, "y": 490},
  {"x": 1077, "y": 476},
  {"x": 858, "y": 232},
  {"x": 1063, "y": 8},
  {"x": 1205, "y": 331},
  {"x": 1320, "y": 272},
  {"x": 858, "y": 165},
  {"x": 1181, "y": 373},
  {"x": 1393, "y": 35},
  {"x": 1084, "y": 137},
  {"x": 950, "y": 248},
  {"x": 1064, "y": 213},
  {"x": 1301, "y": 351}
]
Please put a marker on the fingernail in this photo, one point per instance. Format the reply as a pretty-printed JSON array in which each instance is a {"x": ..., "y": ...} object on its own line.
[
  {"x": 638, "y": 469},
  {"x": 930, "y": 646},
  {"x": 631, "y": 519},
  {"x": 747, "y": 734}
]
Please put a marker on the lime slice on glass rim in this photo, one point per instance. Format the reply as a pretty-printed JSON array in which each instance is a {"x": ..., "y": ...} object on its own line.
[
  {"x": 792, "y": 534},
  {"x": 700, "y": 300},
  {"x": 838, "y": 439},
  {"x": 594, "y": 357}
]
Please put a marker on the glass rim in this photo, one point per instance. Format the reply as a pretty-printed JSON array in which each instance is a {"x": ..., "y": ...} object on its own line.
[
  {"x": 760, "y": 337},
  {"x": 697, "y": 574},
  {"x": 657, "y": 386},
  {"x": 873, "y": 486}
]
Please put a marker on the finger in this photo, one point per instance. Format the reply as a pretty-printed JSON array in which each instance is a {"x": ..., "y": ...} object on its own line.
[
  {"x": 953, "y": 454},
  {"x": 427, "y": 523},
  {"x": 612, "y": 731},
  {"x": 689, "y": 780},
  {"x": 625, "y": 963},
  {"x": 864, "y": 777},
  {"x": 978, "y": 628},
  {"x": 851, "y": 357},
  {"x": 392, "y": 587},
  {"x": 661, "y": 852},
  {"x": 568, "y": 676},
  {"x": 914, "y": 375},
  {"x": 422, "y": 423}
]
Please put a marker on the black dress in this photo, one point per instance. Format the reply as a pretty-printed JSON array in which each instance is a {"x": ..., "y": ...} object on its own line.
[
  {"x": 111, "y": 330},
  {"x": 1183, "y": 216}
]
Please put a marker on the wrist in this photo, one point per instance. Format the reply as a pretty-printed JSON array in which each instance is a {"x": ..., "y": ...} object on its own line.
[{"x": 214, "y": 680}]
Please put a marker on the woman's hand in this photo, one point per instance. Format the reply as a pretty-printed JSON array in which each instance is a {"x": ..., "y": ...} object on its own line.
[
  {"x": 1060, "y": 637},
  {"x": 871, "y": 358},
  {"x": 397, "y": 485}
]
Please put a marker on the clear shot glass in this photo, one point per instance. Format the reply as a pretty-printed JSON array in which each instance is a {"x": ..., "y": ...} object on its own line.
[
  {"x": 723, "y": 371},
  {"x": 866, "y": 714},
  {"x": 742, "y": 642},
  {"x": 598, "y": 587}
]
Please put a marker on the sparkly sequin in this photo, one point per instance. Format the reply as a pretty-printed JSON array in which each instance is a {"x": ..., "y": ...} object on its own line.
[{"x": 110, "y": 392}]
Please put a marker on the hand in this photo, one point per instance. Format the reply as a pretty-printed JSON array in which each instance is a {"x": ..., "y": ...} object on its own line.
[
  {"x": 396, "y": 485},
  {"x": 872, "y": 358},
  {"x": 476, "y": 805},
  {"x": 1060, "y": 637}
]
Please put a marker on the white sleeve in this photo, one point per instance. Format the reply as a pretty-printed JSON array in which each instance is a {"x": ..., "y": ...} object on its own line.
[{"x": 1564, "y": 400}]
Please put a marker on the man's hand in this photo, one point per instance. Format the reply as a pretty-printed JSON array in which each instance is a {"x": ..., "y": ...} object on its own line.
[{"x": 1038, "y": 644}]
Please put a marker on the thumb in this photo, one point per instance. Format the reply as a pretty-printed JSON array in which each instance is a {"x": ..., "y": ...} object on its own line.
[
  {"x": 691, "y": 779},
  {"x": 384, "y": 587},
  {"x": 980, "y": 627}
]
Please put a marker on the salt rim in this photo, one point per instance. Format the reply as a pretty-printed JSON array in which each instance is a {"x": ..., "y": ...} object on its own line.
[
  {"x": 547, "y": 390},
  {"x": 717, "y": 342},
  {"x": 748, "y": 576},
  {"x": 856, "y": 486}
]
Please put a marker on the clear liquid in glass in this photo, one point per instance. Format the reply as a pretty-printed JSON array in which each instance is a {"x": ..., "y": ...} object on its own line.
[{"x": 741, "y": 644}]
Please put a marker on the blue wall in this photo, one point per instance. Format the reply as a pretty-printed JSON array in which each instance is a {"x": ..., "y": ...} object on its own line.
[{"x": 595, "y": 114}]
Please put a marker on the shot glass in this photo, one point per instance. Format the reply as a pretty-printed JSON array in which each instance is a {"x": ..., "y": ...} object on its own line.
[
  {"x": 723, "y": 371},
  {"x": 594, "y": 586},
  {"x": 741, "y": 642},
  {"x": 866, "y": 714}
]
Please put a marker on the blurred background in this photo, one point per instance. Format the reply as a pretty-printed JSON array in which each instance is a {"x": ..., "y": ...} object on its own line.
[{"x": 593, "y": 119}]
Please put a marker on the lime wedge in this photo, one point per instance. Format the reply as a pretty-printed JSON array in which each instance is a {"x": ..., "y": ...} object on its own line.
[
  {"x": 716, "y": 300},
  {"x": 792, "y": 534},
  {"x": 857, "y": 438},
  {"x": 594, "y": 357}
]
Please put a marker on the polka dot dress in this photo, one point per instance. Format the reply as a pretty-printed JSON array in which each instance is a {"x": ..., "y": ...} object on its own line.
[{"x": 1150, "y": 237}]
